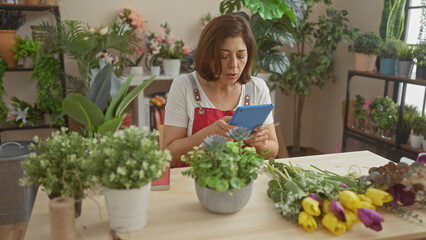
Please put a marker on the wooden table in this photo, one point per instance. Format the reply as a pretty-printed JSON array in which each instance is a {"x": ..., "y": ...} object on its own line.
[{"x": 177, "y": 214}]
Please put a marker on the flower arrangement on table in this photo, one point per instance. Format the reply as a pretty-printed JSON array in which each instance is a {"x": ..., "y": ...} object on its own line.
[
  {"x": 303, "y": 196},
  {"x": 163, "y": 44}
]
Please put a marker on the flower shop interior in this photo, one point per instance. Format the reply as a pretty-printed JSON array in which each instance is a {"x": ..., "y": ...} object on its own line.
[{"x": 315, "y": 115}]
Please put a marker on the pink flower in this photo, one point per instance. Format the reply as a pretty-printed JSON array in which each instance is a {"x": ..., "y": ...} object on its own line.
[
  {"x": 171, "y": 39},
  {"x": 10, "y": 116},
  {"x": 370, "y": 218},
  {"x": 343, "y": 185},
  {"x": 401, "y": 194},
  {"x": 139, "y": 50},
  {"x": 338, "y": 210},
  {"x": 186, "y": 50},
  {"x": 161, "y": 32},
  {"x": 421, "y": 157}
]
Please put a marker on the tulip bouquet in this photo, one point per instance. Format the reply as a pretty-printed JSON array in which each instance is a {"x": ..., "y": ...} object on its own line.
[{"x": 307, "y": 196}]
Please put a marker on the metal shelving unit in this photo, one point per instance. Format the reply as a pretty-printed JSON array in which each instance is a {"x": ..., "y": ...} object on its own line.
[{"x": 391, "y": 149}]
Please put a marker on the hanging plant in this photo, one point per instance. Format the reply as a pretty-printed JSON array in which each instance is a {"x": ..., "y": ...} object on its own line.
[{"x": 49, "y": 89}]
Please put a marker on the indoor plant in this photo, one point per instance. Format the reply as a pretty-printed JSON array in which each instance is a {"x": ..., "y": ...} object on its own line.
[
  {"x": 374, "y": 115},
  {"x": 26, "y": 50},
  {"x": 365, "y": 48},
  {"x": 224, "y": 171},
  {"x": 10, "y": 21},
  {"x": 126, "y": 163},
  {"x": 388, "y": 54},
  {"x": 388, "y": 118},
  {"x": 419, "y": 126},
  {"x": 420, "y": 56},
  {"x": 405, "y": 59},
  {"x": 60, "y": 165},
  {"x": 409, "y": 114},
  {"x": 392, "y": 22},
  {"x": 360, "y": 113}
]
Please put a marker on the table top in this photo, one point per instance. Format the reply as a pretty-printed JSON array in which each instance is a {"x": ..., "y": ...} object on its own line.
[{"x": 177, "y": 214}]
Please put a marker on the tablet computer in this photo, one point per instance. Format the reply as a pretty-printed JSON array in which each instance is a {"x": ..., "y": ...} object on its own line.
[{"x": 251, "y": 116}]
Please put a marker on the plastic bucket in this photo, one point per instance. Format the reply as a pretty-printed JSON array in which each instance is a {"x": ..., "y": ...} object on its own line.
[{"x": 16, "y": 202}]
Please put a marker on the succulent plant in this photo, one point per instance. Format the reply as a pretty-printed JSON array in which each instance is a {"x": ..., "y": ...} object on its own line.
[
  {"x": 214, "y": 143},
  {"x": 239, "y": 134}
]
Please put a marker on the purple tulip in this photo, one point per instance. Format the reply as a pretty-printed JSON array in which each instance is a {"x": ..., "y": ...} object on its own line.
[
  {"x": 370, "y": 218},
  {"x": 315, "y": 196},
  {"x": 400, "y": 194},
  {"x": 338, "y": 210},
  {"x": 343, "y": 185},
  {"x": 421, "y": 157}
]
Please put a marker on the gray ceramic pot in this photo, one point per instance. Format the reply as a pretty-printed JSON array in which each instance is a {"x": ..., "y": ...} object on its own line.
[
  {"x": 223, "y": 202},
  {"x": 405, "y": 68}
]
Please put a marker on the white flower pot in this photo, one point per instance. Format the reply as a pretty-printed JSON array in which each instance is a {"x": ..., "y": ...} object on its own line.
[
  {"x": 171, "y": 67},
  {"x": 424, "y": 145},
  {"x": 416, "y": 140},
  {"x": 127, "y": 209},
  {"x": 155, "y": 70},
  {"x": 28, "y": 62},
  {"x": 137, "y": 71}
]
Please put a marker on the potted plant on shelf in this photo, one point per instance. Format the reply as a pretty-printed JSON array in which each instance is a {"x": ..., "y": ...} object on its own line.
[
  {"x": 26, "y": 50},
  {"x": 419, "y": 126},
  {"x": 10, "y": 21},
  {"x": 405, "y": 59},
  {"x": 409, "y": 114},
  {"x": 365, "y": 48},
  {"x": 388, "y": 53},
  {"x": 125, "y": 163},
  {"x": 374, "y": 116},
  {"x": 420, "y": 56},
  {"x": 388, "y": 118},
  {"x": 224, "y": 171},
  {"x": 60, "y": 165},
  {"x": 360, "y": 113}
]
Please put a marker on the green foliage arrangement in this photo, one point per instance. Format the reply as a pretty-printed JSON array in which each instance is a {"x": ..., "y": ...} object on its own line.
[
  {"x": 128, "y": 159},
  {"x": 49, "y": 89},
  {"x": 367, "y": 43},
  {"x": 23, "y": 113},
  {"x": 272, "y": 23},
  {"x": 26, "y": 48},
  {"x": 410, "y": 112},
  {"x": 60, "y": 164},
  {"x": 89, "y": 110},
  {"x": 388, "y": 49},
  {"x": 420, "y": 53},
  {"x": 392, "y": 22},
  {"x": 222, "y": 165},
  {"x": 11, "y": 19},
  {"x": 3, "y": 108},
  {"x": 384, "y": 113},
  {"x": 360, "y": 113},
  {"x": 419, "y": 124},
  {"x": 312, "y": 67},
  {"x": 405, "y": 52}
]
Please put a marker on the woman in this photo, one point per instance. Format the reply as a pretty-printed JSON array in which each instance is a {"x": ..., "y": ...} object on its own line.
[{"x": 201, "y": 103}]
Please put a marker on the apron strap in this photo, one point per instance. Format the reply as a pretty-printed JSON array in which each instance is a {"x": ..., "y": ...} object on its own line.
[{"x": 197, "y": 97}]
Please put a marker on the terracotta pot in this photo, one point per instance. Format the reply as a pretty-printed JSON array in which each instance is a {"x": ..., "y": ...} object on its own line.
[
  {"x": 7, "y": 41},
  {"x": 50, "y": 2},
  {"x": 364, "y": 62},
  {"x": 32, "y": 2}
]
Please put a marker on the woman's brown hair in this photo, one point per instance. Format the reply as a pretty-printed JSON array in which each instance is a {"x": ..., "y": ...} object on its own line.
[{"x": 210, "y": 44}]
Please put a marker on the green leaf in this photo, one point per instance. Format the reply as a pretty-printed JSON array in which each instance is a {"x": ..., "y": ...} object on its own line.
[
  {"x": 211, "y": 181},
  {"x": 206, "y": 165},
  {"x": 100, "y": 87},
  {"x": 221, "y": 185},
  {"x": 111, "y": 126},
  {"x": 132, "y": 95},
  {"x": 259, "y": 26},
  {"x": 117, "y": 99},
  {"x": 235, "y": 183},
  {"x": 229, "y": 6},
  {"x": 202, "y": 182},
  {"x": 291, "y": 186},
  {"x": 268, "y": 9},
  {"x": 82, "y": 110},
  {"x": 274, "y": 61}
]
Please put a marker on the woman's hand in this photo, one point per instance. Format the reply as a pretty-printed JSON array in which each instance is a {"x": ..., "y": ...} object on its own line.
[
  {"x": 259, "y": 137},
  {"x": 221, "y": 127}
]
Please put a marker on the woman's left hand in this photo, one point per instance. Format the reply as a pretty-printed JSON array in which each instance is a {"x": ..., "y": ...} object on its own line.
[{"x": 259, "y": 137}]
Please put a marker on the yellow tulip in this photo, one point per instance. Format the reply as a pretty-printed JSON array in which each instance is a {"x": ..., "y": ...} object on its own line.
[
  {"x": 368, "y": 205},
  {"x": 311, "y": 206},
  {"x": 378, "y": 196},
  {"x": 350, "y": 200},
  {"x": 325, "y": 206},
  {"x": 333, "y": 224},
  {"x": 364, "y": 198},
  {"x": 307, "y": 221},
  {"x": 351, "y": 218}
]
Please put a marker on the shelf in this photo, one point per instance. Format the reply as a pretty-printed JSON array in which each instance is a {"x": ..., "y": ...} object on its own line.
[
  {"x": 18, "y": 69},
  {"x": 25, "y": 7},
  {"x": 409, "y": 148}
]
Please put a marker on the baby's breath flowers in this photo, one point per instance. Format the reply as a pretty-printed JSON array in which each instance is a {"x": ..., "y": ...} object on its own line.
[{"x": 307, "y": 196}]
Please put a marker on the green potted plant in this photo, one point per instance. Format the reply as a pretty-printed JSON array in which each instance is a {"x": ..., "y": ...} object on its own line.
[
  {"x": 59, "y": 165},
  {"x": 419, "y": 126},
  {"x": 365, "y": 48},
  {"x": 392, "y": 22},
  {"x": 388, "y": 118},
  {"x": 388, "y": 54},
  {"x": 21, "y": 113},
  {"x": 10, "y": 21},
  {"x": 405, "y": 59},
  {"x": 3, "y": 108},
  {"x": 26, "y": 50},
  {"x": 410, "y": 112},
  {"x": 126, "y": 163},
  {"x": 374, "y": 115},
  {"x": 224, "y": 171},
  {"x": 360, "y": 113},
  {"x": 420, "y": 56}
]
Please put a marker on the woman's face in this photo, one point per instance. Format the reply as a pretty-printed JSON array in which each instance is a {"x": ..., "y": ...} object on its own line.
[{"x": 233, "y": 59}]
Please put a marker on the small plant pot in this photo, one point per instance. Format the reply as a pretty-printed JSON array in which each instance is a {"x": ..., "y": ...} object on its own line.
[
  {"x": 388, "y": 134},
  {"x": 155, "y": 70},
  {"x": 77, "y": 205},
  {"x": 365, "y": 62},
  {"x": 137, "y": 71},
  {"x": 388, "y": 66},
  {"x": 223, "y": 202},
  {"x": 405, "y": 68},
  {"x": 28, "y": 62},
  {"x": 127, "y": 208},
  {"x": 416, "y": 141},
  {"x": 171, "y": 67}
]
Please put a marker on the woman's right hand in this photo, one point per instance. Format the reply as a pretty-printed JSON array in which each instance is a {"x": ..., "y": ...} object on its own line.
[{"x": 221, "y": 127}]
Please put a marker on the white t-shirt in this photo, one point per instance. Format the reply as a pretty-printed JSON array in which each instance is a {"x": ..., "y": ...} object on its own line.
[{"x": 181, "y": 102}]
